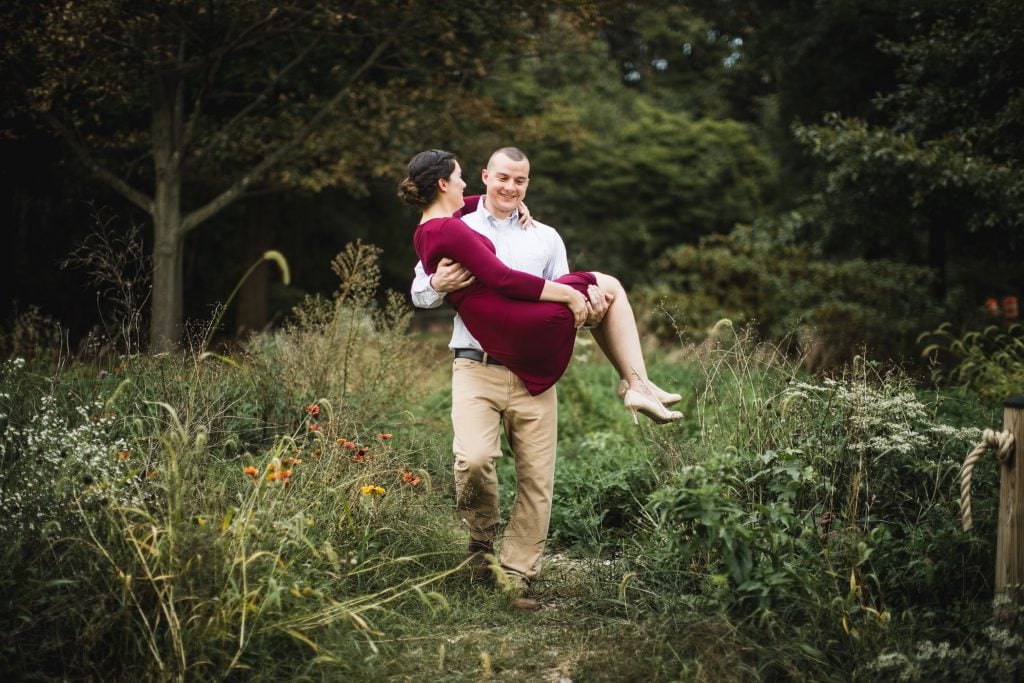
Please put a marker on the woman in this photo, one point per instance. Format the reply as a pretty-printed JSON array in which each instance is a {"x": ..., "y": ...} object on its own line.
[{"x": 524, "y": 321}]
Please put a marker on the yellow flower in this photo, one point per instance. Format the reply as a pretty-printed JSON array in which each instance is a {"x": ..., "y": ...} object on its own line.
[{"x": 371, "y": 490}]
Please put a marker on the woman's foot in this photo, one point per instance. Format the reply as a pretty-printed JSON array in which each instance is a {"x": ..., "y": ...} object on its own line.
[
  {"x": 636, "y": 401},
  {"x": 663, "y": 396}
]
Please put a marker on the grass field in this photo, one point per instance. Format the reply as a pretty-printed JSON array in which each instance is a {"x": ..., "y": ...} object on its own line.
[{"x": 284, "y": 512}]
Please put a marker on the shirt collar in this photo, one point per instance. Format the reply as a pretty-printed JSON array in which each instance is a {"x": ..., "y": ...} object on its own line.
[{"x": 491, "y": 218}]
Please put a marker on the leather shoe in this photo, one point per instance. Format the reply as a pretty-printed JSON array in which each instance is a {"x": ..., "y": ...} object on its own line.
[
  {"x": 518, "y": 589},
  {"x": 481, "y": 556}
]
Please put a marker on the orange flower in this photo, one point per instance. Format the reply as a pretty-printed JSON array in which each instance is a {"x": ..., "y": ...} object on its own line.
[
  {"x": 251, "y": 471},
  {"x": 407, "y": 477},
  {"x": 350, "y": 445},
  {"x": 992, "y": 306},
  {"x": 313, "y": 409},
  {"x": 384, "y": 437},
  {"x": 291, "y": 461},
  {"x": 415, "y": 481},
  {"x": 314, "y": 427},
  {"x": 272, "y": 476},
  {"x": 124, "y": 455},
  {"x": 1010, "y": 308}
]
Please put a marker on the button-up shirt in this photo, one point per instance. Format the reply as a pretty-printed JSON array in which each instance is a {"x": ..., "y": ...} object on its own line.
[{"x": 537, "y": 250}]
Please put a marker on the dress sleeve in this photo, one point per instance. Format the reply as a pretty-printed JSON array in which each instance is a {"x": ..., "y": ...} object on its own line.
[
  {"x": 459, "y": 242},
  {"x": 469, "y": 205}
]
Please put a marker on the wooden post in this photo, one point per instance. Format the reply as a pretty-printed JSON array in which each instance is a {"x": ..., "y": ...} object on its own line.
[{"x": 1010, "y": 538}]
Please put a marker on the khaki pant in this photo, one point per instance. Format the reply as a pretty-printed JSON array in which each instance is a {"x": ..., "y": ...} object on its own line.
[{"x": 483, "y": 398}]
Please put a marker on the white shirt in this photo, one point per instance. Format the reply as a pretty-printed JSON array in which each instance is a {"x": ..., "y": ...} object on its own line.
[{"x": 537, "y": 250}]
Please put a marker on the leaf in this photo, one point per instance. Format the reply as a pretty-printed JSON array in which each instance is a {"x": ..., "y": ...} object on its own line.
[{"x": 298, "y": 635}]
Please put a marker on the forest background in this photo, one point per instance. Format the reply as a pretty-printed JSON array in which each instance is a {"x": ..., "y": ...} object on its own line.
[
  {"x": 223, "y": 455},
  {"x": 845, "y": 168}
]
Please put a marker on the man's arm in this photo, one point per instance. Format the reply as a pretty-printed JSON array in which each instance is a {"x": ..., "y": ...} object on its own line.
[{"x": 428, "y": 290}]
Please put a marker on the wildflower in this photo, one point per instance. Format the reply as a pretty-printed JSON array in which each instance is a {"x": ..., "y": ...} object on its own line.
[
  {"x": 992, "y": 307},
  {"x": 272, "y": 476},
  {"x": 284, "y": 474},
  {"x": 124, "y": 455},
  {"x": 251, "y": 471},
  {"x": 360, "y": 455},
  {"x": 371, "y": 490},
  {"x": 1010, "y": 308},
  {"x": 407, "y": 477},
  {"x": 291, "y": 461},
  {"x": 314, "y": 427},
  {"x": 350, "y": 445},
  {"x": 385, "y": 437},
  {"x": 313, "y": 409},
  {"x": 415, "y": 481}
]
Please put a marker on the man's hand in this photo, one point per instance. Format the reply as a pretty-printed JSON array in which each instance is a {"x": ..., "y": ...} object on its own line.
[
  {"x": 598, "y": 305},
  {"x": 450, "y": 276}
]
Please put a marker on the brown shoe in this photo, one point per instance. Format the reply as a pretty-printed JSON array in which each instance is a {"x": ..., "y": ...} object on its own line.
[
  {"x": 518, "y": 589},
  {"x": 481, "y": 554}
]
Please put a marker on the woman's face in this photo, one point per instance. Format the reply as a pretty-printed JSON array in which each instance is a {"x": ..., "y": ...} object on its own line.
[{"x": 456, "y": 185}]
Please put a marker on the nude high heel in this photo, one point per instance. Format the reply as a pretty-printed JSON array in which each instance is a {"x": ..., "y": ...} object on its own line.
[
  {"x": 635, "y": 401},
  {"x": 663, "y": 396}
]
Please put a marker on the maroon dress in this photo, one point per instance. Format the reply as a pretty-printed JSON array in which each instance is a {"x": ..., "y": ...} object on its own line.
[{"x": 502, "y": 308}]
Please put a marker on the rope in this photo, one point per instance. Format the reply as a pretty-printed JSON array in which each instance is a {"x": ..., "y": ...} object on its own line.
[{"x": 1002, "y": 443}]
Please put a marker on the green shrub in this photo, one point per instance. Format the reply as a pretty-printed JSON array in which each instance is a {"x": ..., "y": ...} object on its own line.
[
  {"x": 989, "y": 361},
  {"x": 831, "y": 310}
]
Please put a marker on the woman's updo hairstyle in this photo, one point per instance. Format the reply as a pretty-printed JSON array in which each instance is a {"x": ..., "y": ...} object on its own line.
[{"x": 419, "y": 187}]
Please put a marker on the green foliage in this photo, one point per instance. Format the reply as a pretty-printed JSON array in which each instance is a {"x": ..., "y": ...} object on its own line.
[
  {"x": 199, "y": 522},
  {"x": 989, "y": 362},
  {"x": 835, "y": 308},
  {"x": 624, "y": 175},
  {"x": 599, "y": 491},
  {"x": 932, "y": 175},
  {"x": 698, "y": 177},
  {"x": 821, "y": 507}
]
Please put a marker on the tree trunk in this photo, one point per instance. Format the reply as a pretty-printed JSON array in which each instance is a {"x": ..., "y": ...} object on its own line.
[
  {"x": 166, "y": 302},
  {"x": 168, "y": 233}
]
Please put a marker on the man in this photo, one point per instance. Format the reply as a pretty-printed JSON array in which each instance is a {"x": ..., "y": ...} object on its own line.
[{"x": 486, "y": 395}]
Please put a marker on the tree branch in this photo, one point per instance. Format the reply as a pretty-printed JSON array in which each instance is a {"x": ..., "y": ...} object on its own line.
[
  {"x": 238, "y": 188},
  {"x": 136, "y": 197}
]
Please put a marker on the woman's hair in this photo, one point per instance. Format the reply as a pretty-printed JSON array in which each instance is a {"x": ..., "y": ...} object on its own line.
[{"x": 419, "y": 187}]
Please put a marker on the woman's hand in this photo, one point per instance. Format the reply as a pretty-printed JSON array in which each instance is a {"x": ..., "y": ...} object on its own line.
[
  {"x": 525, "y": 219},
  {"x": 579, "y": 306}
]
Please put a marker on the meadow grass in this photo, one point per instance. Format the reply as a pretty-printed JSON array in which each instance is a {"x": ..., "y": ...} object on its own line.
[{"x": 285, "y": 513}]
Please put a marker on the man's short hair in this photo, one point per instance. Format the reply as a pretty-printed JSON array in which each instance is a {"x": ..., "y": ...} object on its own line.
[{"x": 513, "y": 153}]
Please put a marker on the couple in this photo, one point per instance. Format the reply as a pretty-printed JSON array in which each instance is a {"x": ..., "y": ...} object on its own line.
[{"x": 518, "y": 312}]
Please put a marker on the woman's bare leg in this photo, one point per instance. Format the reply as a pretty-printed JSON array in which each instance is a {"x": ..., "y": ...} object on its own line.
[
  {"x": 617, "y": 334},
  {"x": 619, "y": 339}
]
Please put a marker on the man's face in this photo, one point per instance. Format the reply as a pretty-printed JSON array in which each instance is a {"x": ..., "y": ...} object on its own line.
[{"x": 506, "y": 183}]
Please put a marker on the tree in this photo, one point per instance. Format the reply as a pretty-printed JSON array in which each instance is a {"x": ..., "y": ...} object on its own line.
[
  {"x": 184, "y": 108},
  {"x": 937, "y": 169},
  {"x": 621, "y": 174}
]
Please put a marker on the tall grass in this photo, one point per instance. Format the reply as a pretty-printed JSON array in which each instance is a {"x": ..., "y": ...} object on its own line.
[{"x": 286, "y": 513}]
